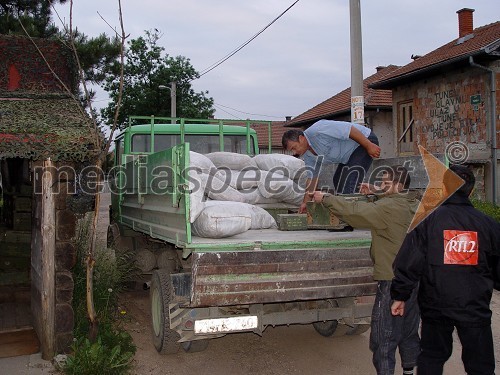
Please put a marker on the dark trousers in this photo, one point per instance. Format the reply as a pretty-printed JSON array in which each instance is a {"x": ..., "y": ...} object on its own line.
[
  {"x": 437, "y": 344},
  {"x": 348, "y": 176},
  {"x": 389, "y": 332}
]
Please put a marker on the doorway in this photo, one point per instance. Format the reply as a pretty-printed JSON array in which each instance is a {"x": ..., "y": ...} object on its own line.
[{"x": 16, "y": 196}]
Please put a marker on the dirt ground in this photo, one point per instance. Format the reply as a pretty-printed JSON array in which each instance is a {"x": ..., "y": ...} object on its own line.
[{"x": 296, "y": 349}]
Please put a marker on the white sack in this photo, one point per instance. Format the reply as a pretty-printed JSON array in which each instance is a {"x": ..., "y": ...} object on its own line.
[
  {"x": 261, "y": 219},
  {"x": 288, "y": 165},
  {"x": 218, "y": 221},
  {"x": 284, "y": 190},
  {"x": 199, "y": 167},
  {"x": 253, "y": 196},
  {"x": 231, "y": 160},
  {"x": 244, "y": 179},
  {"x": 217, "y": 190},
  {"x": 199, "y": 160},
  {"x": 197, "y": 182}
]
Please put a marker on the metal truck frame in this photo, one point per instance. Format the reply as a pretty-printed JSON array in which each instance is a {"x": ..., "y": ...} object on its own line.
[{"x": 211, "y": 287}]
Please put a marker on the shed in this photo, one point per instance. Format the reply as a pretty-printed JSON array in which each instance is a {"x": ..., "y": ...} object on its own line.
[{"x": 46, "y": 141}]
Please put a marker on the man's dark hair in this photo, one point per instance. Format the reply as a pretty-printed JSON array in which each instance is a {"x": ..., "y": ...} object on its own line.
[
  {"x": 291, "y": 135},
  {"x": 465, "y": 173},
  {"x": 399, "y": 174}
]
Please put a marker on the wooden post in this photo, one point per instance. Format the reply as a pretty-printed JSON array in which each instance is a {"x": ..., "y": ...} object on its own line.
[{"x": 48, "y": 236}]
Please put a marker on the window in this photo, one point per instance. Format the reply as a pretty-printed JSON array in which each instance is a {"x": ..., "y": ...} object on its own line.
[
  {"x": 141, "y": 143},
  {"x": 202, "y": 143},
  {"x": 165, "y": 141},
  {"x": 119, "y": 151},
  {"x": 405, "y": 128}
]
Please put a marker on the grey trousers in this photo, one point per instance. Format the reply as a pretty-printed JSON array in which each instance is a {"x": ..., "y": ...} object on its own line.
[{"x": 390, "y": 332}]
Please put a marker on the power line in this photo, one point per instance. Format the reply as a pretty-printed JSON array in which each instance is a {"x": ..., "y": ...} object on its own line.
[
  {"x": 229, "y": 113},
  {"x": 216, "y": 64},
  {"x": 246, "y": 113}
]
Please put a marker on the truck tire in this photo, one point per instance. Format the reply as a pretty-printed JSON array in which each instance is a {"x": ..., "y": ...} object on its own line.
[
  {"x": 358, "y": 329},
  {"x": 165, "y": 339},
  {"x": 195, "y": 346},
  {"x": 327, "y": 328},
  {"x": 112, "y": 235},
  {"x": 115, "y": 240}
]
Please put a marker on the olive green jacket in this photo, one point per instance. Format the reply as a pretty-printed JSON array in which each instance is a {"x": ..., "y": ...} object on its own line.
[{"x": 388, "y": 218}]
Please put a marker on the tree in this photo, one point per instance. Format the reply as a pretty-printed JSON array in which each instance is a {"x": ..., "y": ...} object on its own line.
[
  {"x": 146, "y": 68},
  {"x": 96, "y": 55},
  {"x": 35, "y": 15}
]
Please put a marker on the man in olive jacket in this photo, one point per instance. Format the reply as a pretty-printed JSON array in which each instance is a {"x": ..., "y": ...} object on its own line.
[{"x": 388, "y": 218}]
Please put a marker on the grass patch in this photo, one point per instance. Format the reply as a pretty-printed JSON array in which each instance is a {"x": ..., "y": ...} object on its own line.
[
  {"x": 113, "y": 350},
  {"x": 487, "y": 208}
]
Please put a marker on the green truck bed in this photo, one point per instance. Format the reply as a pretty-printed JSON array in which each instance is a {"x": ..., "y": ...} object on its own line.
[{"x": 241, "y": 283}]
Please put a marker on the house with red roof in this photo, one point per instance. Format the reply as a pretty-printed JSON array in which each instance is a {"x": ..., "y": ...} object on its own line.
[{"x": 447, "y": 102}]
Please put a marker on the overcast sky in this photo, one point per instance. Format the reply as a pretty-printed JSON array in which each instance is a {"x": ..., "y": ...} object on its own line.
[{"x": 299, "y": 61}]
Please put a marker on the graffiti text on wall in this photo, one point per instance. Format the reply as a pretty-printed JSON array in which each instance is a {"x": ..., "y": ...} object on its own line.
[
  {"x": 462, "y": 127},
  {"x": 445, "y": 120}
]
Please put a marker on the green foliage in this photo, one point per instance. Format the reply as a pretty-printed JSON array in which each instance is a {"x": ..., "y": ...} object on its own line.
[
  {"x": 111, "y": 272},
  {"x": 146, "y": 68},
  {"x": 96, "y": 55},
  {"x": 488, "y": 208},
  {"x": 35, "y": 16},
  {"x": 114, "y": 349},
  {"x": 111, "y": 353}
]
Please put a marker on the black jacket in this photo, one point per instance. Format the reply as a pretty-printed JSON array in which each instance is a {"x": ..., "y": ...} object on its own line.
[{"x": 454, "y": 255}]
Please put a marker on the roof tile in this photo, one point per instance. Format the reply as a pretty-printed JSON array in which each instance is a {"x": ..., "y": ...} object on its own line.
[
  {"x": 482, "y": 37},
  {"x": 341, "y": 102}
]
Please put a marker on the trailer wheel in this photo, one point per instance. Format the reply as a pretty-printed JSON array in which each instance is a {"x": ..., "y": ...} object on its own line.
[
  {"x": 115, "y": 240},
  {"x": 165, "y": 339},
  {"x": 327, "y": 328},
  {"x": 358, "y": 329},
  {"x": 112, "y": 235},
  {"x": 195, "y": 346}
]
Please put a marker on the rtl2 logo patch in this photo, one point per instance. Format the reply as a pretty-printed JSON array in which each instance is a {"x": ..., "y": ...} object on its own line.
[{"x": 460, "y": 247}]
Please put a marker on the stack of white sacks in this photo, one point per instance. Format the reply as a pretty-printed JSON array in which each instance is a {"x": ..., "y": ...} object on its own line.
[{"x": 225, "y": 188}]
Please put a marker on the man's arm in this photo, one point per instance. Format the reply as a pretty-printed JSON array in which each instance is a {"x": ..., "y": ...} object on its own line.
[
  {"x": 408, "y": 265},
  {"x": 311, "y": 184},
  {"x": 356, "y": 213},
  {"x": 494, "y": 257},
  {"x": 371, "y": 148}
]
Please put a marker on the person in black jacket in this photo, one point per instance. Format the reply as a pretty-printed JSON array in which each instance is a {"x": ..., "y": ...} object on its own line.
[{"x": 453, "y": 256}]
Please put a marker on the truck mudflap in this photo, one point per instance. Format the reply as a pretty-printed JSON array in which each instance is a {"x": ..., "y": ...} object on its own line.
[{"x": 228, "y": 278}]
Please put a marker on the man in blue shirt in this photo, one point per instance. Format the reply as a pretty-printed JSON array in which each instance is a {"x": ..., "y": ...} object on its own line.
[{"x": 351, "y": 145}]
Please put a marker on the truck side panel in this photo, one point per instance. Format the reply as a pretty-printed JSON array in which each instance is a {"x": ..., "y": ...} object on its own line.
[{"x": 153, "y": 195}]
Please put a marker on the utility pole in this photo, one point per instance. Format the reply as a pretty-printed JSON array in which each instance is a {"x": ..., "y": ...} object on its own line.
[
  {"x": 173, "y": 99},
  {"x": 357, "y": 99}
]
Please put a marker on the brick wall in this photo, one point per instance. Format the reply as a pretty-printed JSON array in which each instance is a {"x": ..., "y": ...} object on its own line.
[
  {"x": 451, "y": 107},
  {"x": 23, "y": 69}
]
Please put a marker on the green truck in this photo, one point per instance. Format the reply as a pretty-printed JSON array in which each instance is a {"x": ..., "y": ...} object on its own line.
[{"x": 206, "y": 288}]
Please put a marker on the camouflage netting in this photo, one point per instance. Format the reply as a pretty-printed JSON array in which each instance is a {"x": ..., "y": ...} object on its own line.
[{"x": 41, "y": 128}]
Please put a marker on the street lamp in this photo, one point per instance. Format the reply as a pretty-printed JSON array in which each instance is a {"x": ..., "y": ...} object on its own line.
[{"x": 173, "y": 99}]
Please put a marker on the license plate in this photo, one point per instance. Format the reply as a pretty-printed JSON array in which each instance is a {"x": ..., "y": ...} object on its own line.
[{"x": 237, "y": 323}]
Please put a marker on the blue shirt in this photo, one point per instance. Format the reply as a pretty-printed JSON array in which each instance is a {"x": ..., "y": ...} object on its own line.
[{"x": 330, "y": 139}]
